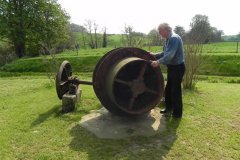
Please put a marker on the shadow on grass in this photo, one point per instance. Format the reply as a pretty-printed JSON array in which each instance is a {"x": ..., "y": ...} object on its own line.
[
  {"x": 44, "y": 116},
  {"x": 56, "y": 111},
  {"x": 137, "y": 147}
]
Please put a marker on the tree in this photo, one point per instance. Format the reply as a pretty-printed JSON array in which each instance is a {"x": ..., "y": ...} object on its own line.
[
  {"x": 238, "y": 36},
  {"x": 95, "y": 26},
  {"x": 200, "y": 29},
  {"x": 6, "y": 53},
  {"x": 154, "y": 37},
  {"x": 32, "y": 24},
  {"x": 180, "y": 31},
  {"x": 70, "y": 42},
  {"x": 77, "y": 28},
  {"x": 84, "y": 32},
  {"x": 200, "y": 33},
  {"x": 104, "y": 42},
  {"x": 130, "y": 38},
  {"x": 89, "y": 25},
  {"x": 238, "y": 39},
  {"x": 216, "y": 35},
  {"x": 55, "y": 25},
  {"x": 128, "y": 32}
]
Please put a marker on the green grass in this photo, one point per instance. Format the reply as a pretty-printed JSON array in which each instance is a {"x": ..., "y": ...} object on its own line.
[
  {"x": 221, "y": 47},
  {"x": 32, "y": 126},
  {"x": 227, "y": 65},
  {"x": 113, "y": 40},
  {"x": 45, "y": 63},
  {"x": 219, "y": 59},
  {"x": 214, "y": 64}
]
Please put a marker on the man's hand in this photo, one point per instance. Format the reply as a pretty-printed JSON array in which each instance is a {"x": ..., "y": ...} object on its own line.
[
  {"x": 151, "y": 53},
  {"x": 155, "y": 64}
]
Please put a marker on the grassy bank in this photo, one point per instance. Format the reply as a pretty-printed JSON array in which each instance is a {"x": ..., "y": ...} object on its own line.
[
  {"x": 85, "y": 61},
  {"x": 218, "y": 59},
  {"x": 32, "y": 126},
  {"x": 225, "y": 65}
]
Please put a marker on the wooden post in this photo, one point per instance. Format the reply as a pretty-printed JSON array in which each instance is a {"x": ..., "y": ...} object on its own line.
[{"x": 237, "y": 47}]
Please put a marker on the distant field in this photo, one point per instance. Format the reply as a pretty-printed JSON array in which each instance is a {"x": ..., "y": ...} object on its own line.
[
  {"x": 115, "y": 40},
  {"x": 222, "y": 47}
]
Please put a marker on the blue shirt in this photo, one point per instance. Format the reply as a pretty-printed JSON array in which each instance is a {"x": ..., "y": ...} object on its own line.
[{"x": 173, "y": 53}]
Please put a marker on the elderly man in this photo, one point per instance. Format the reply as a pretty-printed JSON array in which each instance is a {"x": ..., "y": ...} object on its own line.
[{"x": 173, "y": 57}]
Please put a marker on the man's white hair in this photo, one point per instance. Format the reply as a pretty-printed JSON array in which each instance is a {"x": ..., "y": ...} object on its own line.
[{"x": 165, "y": 26}]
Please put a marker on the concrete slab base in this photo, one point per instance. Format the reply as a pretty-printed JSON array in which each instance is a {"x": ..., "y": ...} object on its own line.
[{"x": 103, "y": 124}]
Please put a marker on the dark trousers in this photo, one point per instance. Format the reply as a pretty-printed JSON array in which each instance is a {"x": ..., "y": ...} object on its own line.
[{"x": 173, "y": 89}]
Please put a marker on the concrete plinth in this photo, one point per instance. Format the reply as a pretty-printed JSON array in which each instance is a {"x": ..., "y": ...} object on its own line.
[
  {"x": 106, "y": 125},
  {"x": 69, "y": 101}
]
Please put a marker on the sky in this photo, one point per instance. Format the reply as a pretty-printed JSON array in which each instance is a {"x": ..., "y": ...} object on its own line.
[{"x": 145, "y": 15}]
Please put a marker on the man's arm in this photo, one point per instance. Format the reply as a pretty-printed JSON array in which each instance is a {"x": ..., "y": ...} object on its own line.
[
  {"x": 170, "y": 51},
  {"x": 159, "y": 55}
]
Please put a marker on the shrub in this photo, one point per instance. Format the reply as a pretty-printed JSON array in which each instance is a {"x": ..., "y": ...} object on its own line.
[
  {"x": 193, "y": 59},
  {"x": 6, "y": 54}
]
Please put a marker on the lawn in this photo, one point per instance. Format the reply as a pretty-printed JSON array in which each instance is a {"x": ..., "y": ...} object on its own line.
[{"x": 32, "y": 126}]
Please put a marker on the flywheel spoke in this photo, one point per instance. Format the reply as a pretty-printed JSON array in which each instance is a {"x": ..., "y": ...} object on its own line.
[
  {"x": 140, "y": 76},
  {"x": 132, "y": 100},
  {"x": 63, "y": 83},
  {"x": 123, "y": 82},
  {"x": 151, "y": 91}
]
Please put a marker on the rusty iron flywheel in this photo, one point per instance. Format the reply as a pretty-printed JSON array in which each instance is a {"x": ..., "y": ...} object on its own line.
[{"x": 123, "y": 80}]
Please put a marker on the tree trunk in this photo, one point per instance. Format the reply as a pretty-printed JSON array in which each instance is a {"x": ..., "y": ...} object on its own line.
[
  {"x": 83, "y": 38},
  {"x": 92, "y": 43},
  {"x": 95, "y": 35},
  {"x": 19, "y": 49},
  {"x": 104, "y": 43}
]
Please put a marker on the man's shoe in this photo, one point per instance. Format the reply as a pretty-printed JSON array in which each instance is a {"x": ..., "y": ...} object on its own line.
[{"x": 165, "y": 111}]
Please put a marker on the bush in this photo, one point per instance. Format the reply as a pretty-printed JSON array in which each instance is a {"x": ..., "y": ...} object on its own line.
[
  {"x": 6, "y": 54},
  {"x": 193, "y": 58}
]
